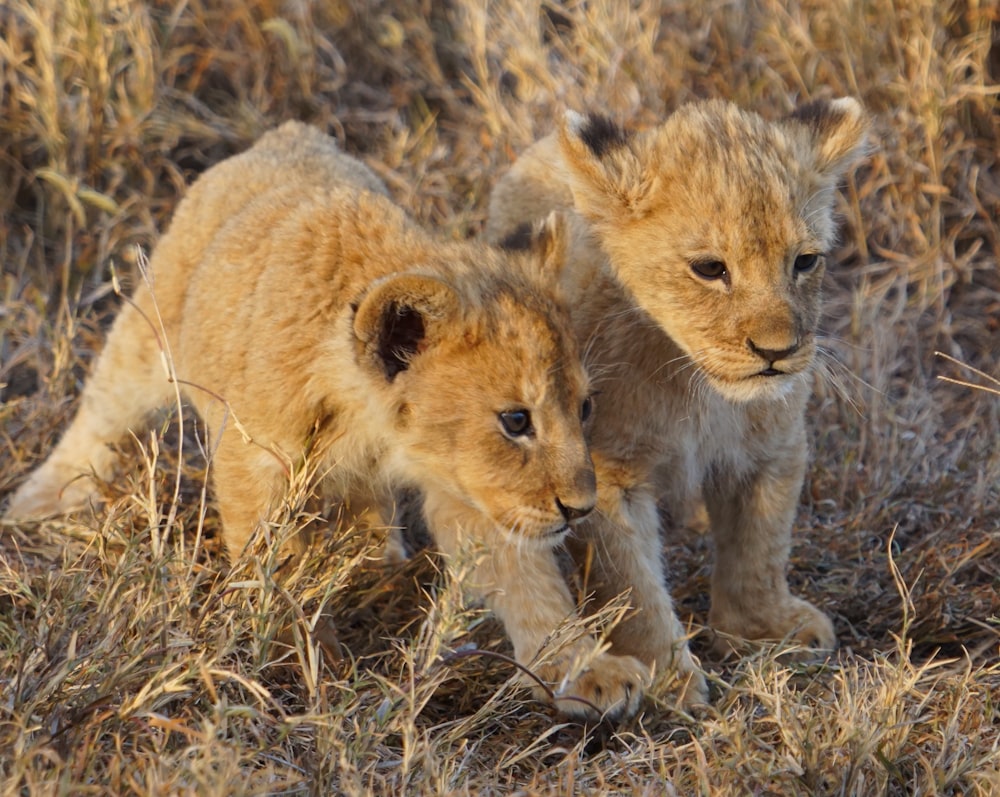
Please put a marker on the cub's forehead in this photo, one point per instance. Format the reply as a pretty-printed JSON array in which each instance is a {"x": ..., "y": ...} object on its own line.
[
  {"x": 526, "y": 321},
  {"x": 733, "y": 175},
  {"x": 530, "y": 337},
  {"x": 730, "y": 154}
]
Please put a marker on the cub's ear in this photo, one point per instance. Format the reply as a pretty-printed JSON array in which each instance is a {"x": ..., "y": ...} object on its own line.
[
  {"x": 546, "y": 240},
  {"x": 607, "y": 175},
  {"x": 839, "y": 130},
  {"x": 400, "y": 317},
  {"x": 553, "y": 243}
]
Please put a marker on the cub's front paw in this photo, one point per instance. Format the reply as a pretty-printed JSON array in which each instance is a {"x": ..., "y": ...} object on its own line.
[
  {"x": 595, "y": 687},
  {"x": 49, "y": 492},
  {"x": 808, "y": 626},
  {"x": 693, "y": 689},
  {"x": 679, "y": 676},
  {"x": 322, "y": 632},
  {"x": 793, "y": 619}
]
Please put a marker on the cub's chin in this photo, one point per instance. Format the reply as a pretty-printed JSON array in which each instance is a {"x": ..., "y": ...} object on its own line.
[{"x": 759, "y": 387}]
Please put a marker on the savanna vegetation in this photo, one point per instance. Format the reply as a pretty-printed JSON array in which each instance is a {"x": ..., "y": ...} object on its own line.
[{"x": 133, "y": 660}]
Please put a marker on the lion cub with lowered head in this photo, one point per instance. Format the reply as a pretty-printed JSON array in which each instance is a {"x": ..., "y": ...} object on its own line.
[
  {"x": 694, "y": 277},
  {"x": 303, "y": 310}
]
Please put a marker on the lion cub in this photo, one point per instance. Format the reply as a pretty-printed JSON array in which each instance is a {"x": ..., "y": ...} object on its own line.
[
  {"x": 697, "y": 261},
  {"x": 304, "y": 312}
]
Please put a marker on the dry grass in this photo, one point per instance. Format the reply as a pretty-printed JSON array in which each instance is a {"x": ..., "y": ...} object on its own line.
[{"x": 133, "y": 661}]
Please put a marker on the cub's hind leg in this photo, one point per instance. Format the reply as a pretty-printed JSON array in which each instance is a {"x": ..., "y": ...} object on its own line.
[{"x": 128, "y": 382}]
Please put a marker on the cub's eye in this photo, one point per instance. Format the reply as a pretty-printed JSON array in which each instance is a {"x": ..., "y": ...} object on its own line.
[
  {"x": 586, "y": 409},
  {"x": 806, "y": 262},
  {"x": 709, "y": 269},
  {"x": 516, "y": 423}
]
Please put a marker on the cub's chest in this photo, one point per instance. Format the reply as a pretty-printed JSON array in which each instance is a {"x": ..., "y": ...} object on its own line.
[
  {"x": 354, "y": 467},
  {"x": 710, "y": 434}
]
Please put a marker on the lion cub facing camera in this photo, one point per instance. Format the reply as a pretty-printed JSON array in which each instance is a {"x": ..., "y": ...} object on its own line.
[
  {"x": 694, "y": 275},
  {"x": 303, "y": 311}
]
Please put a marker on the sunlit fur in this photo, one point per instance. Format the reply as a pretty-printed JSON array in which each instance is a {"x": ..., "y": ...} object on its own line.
[
  {"x": 687, "y": 401},
  {"x": 301, "y": 310}
]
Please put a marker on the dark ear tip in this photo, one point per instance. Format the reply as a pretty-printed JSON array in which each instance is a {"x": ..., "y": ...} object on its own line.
[
  {"x": 821, "y": 113},
  {"x": 521, "y": 239},
  {"x": 599, "y": 133},
  {"x": 535, "y": 237}
]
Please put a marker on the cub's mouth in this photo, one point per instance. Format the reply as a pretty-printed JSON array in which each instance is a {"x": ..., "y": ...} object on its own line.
[
  {"x": 553, "y": 534},
  {"x": 767, "y": 383},
  {"x": 757, "y": 373},
  {"x": 788, "y": 369}
]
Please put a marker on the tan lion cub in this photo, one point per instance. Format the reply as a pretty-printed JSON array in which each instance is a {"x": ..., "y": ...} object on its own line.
[
  {"x": 298, "y": 301},
  {"x": 695, "y": 284}
]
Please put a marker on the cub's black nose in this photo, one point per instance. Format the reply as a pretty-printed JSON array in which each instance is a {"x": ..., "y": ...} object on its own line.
[{"x": 773, "y": 355}]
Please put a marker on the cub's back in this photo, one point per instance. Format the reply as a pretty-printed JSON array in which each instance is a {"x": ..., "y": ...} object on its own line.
[{"x": 294, "y": 158}]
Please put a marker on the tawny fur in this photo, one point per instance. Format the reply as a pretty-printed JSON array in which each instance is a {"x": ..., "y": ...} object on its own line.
[
  {"x": 696, "y": 300},
  {"x": 302, "y": 310}
]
